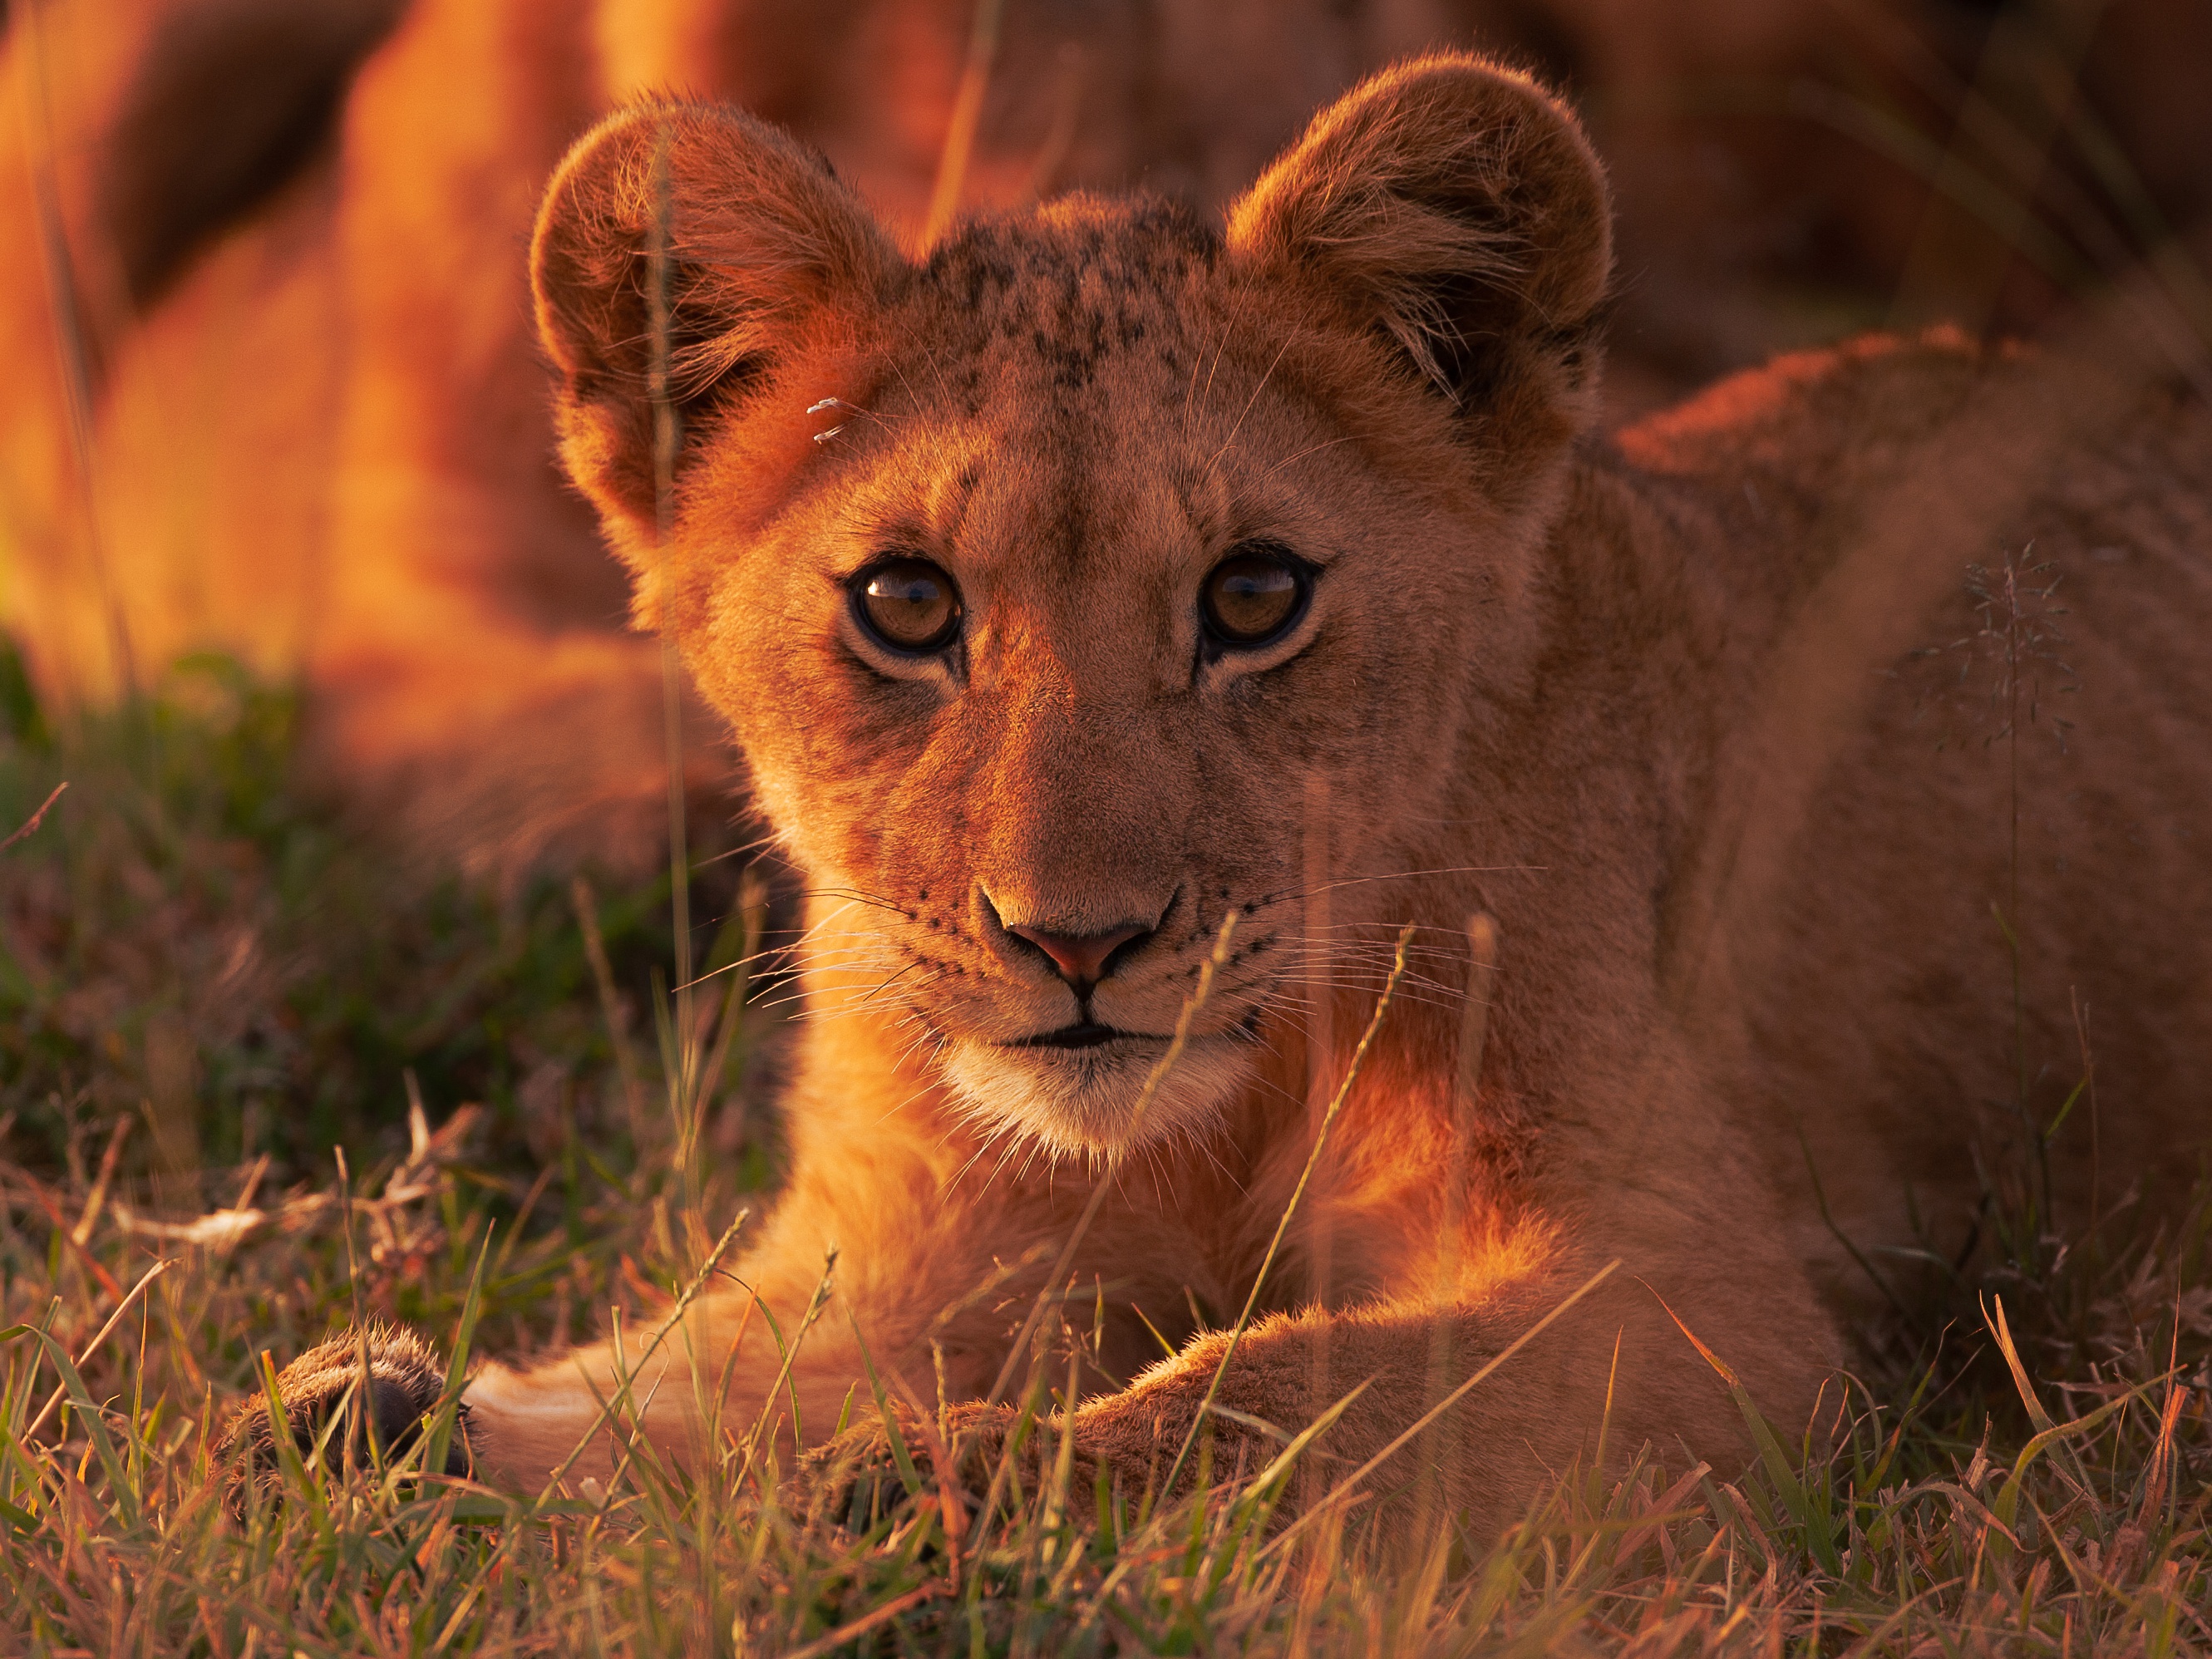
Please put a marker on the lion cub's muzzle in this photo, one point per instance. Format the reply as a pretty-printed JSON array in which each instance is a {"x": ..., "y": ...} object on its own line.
[
  {"x": 1086, "y": 1085},
  {"x": 1030, "y": 936}
]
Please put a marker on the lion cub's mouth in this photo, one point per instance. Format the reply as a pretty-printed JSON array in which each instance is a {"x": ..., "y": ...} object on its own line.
[
  {"x": 1088, "y": 1088},
  {"x": 1083, "y": 1033}
]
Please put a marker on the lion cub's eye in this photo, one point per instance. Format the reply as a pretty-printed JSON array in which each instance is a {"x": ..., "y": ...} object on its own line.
[
  {"x": 1254, "y": 596},
  {"x": 906, "y": 606}
]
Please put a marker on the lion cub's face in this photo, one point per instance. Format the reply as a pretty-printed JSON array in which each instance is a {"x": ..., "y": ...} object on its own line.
[
  {"x": 1099, "y": 580},
  {"x": 1065, "y": 625}
]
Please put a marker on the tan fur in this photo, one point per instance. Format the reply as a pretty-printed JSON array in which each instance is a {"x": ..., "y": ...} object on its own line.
[{"x": 1665, "y": 709}]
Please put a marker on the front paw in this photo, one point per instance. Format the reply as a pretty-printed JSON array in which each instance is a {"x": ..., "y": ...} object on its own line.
[
  {"x": 873, "y": 1469},
  {"x": 405, "y": 1382}
]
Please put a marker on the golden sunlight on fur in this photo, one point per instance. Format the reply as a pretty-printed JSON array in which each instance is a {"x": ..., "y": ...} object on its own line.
[{"x": 1110, "y": 604}]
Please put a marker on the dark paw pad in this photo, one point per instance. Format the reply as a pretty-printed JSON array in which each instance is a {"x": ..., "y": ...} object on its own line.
[{"x": 406, "y": 1380}]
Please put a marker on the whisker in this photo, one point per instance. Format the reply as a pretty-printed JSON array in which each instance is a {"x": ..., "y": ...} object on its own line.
[
  {"x": 840, "y": 997},
  {"x": 1309, "y": 449},
  {"x": 856, "y": 895},
  {"x": 895, "y": 1110},
  {"x": 1289, "y": 893},
  {"x": 1443, "y": 1005},
  {"x": 1220, "y": 346},
  {"x": 766, "y": 838},
  {"x": 974, "y": 1158},
  {"x": 1015, "y": 1136},
  {"x": 1214, "y": 460},
  {"x": 1390, "y": 930},
  {"x": 854, "y": 1004}
]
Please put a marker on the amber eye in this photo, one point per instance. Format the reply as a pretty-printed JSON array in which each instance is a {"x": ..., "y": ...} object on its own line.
[
  {"x": 906, "y": 606},
  {"x": 1254, "y": 596}
]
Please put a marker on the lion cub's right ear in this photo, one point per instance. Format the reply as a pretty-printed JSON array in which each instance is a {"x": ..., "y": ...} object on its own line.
[{"x": 694, "y": 242}]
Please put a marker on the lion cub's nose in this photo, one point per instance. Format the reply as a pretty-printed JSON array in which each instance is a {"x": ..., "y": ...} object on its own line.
[{"x": 1081, "y": 958}]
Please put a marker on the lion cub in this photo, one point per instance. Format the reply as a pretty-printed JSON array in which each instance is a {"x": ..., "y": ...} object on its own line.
[{"x": 1108, "y": 577}]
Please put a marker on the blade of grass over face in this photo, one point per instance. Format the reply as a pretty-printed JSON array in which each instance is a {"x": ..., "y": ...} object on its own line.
[
  {"x": 1289, "y": 1209},
  {"x": 1191, "y": 1008}
]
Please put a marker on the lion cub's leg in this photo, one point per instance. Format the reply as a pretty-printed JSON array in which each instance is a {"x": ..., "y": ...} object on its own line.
[
  {"x": 680, "y": 1393},
  {"x": 687, "y": 1390},
  {"x": 1612, "y": 1373}
]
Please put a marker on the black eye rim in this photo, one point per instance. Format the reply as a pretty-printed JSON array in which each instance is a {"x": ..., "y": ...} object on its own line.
[
  {"x": 856, "y": 597},
  {"x": 1217, "y": 642}
]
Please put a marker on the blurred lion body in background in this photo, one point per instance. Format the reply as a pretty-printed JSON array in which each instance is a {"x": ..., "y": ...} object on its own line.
[{"x": 273, "y": 391}]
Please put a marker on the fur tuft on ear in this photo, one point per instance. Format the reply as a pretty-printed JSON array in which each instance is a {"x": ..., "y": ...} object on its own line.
[
  {"x": 1456, "y": 207},
  {"x": 741, "y": 241}
]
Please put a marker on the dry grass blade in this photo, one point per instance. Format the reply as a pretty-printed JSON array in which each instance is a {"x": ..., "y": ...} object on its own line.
[
  {"x": 84, "y": 1357},
  {"x": 30, "y": 825},
  {"x": 674, "y": 1320},
  {"x": 1290, "y": 1208},
  {"x": 967, "y": 114},
  {"x": 1349, "y": 1486},
  {"x": 586, "y": 907},
  {"x": 1192, "y": 1007},
  {"x": 852, "y": 1629}
]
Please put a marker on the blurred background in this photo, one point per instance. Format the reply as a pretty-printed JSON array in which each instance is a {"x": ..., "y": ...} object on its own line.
[{"x": 333, "y": 658}]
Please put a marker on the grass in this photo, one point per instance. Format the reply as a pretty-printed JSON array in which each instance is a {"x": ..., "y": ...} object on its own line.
[
  {"x": 189, "y": 940},
  {"x": 206, "y": 986}
]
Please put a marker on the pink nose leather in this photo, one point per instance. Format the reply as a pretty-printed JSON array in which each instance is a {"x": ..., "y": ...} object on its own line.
[{"x": 1079, "y": 956}]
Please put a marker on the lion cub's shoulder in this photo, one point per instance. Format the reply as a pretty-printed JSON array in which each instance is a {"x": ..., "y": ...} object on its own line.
[{"x": 1813, "y": 411}]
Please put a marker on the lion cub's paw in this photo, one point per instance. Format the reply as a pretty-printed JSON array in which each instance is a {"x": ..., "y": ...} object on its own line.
[
  {"x": 406, "y": 1380},
  {"x": 855, "y": 1479}
]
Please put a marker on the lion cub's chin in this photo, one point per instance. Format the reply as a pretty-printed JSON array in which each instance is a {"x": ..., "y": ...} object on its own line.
[{"x": 1090, "y": 1102}]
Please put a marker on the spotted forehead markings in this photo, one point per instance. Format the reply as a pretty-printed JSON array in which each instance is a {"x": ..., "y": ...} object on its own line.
[{"x": 1057, "y": 293}]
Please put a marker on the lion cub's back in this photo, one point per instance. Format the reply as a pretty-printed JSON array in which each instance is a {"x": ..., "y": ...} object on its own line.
[{"x": 1990, "y": 583}]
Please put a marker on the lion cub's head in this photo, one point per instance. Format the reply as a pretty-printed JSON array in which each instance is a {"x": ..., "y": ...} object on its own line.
[{"x": 1049, "y": 581}]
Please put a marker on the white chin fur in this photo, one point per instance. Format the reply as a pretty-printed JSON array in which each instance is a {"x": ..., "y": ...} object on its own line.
[{"x": 1084, "y": 1102}]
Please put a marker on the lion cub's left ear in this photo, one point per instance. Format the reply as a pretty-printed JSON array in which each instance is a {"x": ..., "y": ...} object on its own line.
[
  {"x": 1456, "y": 208},
  {"x": 685, "y": 257}
]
